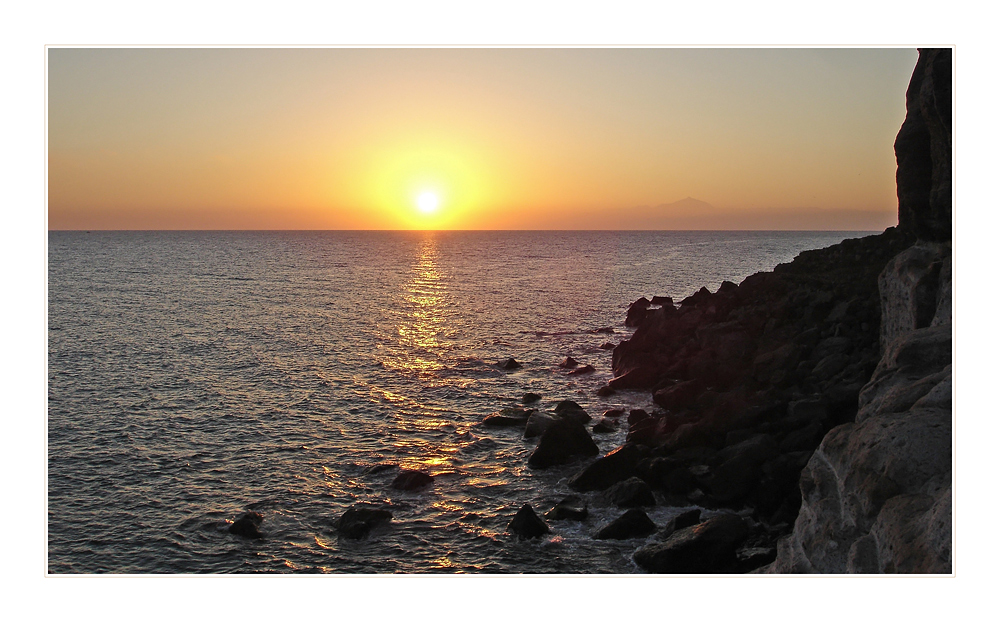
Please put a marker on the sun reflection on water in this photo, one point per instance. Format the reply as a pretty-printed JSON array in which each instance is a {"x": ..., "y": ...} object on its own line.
[{"x": 423, "y": 296}]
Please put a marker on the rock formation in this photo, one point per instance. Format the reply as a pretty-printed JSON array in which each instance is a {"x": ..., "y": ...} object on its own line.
[
  {"x": 818, "y": 394},
  {"x": 876, "y": 495}
]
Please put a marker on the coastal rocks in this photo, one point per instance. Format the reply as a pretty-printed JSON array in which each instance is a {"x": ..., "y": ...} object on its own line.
[
  {"x": 509, "y": 364},
  {"x": 682, "y": 520},
  {"x": 248, "y": 526},
  {"x": 564, "y": 441},
  {"x": 412, "y": 480},
  {"x": 529, "y": 398},
  {"x": 526, "y": 524},
  {"x": 569, "y": 363},
  {"x": 636, "y": 311},
  {"x": 876, "y": 494},
  {"x": 359, "y": 520},
  {"x": 613, "y": 467},
  {"x": 508, "y": 417},
  {"x": 537, "y": 423},
  {"x": 709, "y": 547},
  {"x": 630, "y": 493},
  {"x": 570, "y": 508},
  {"x": 586, "y": 369},
  {"x": 632, "y": 524}
]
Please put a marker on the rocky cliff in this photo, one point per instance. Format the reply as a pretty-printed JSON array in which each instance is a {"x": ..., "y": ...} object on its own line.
[
  {"x": 876, "y": 494},
  {"x": 816, "y": 399}
]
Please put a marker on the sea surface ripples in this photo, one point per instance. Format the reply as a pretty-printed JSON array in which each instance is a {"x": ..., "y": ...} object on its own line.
[{"x": 195, "y": 375}]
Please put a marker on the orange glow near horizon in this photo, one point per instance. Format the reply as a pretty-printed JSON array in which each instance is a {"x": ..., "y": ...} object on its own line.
[{"x": 503, "y": 138}]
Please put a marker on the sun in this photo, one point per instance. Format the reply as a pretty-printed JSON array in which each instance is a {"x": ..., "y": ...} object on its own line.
[{"x": 428, "y": 202}]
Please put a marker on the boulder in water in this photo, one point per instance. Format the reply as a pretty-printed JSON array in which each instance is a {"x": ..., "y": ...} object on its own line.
[
  {"x": 248, "y": 526},
  {"x": 509, "y": 364},
  {"x": 526, "y": 524},
  {"x": 569, "y": 362},
  {"x": 570, "y": 508},
  {"x": 564, "y": 441},
  {"x": 630, "y": 493},
  {"x": 359, "y": 520},
  {"x": 709, "y": 547},
  {"x": 632, "y": 524},
  {"x": 412, "y": 480}
]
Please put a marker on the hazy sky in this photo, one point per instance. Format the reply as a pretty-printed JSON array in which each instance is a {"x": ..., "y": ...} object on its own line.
[{"x": 501, "y": 138}]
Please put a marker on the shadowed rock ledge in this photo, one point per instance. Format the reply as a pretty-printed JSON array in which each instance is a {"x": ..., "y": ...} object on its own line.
[{"x": 817, "y": 398}]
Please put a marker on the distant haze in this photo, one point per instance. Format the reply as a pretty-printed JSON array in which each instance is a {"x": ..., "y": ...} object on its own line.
[{"x": 511, "y": 138}]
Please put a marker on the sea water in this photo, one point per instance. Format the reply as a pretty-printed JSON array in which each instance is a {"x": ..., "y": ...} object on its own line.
[{"x": 195, "y": 375}]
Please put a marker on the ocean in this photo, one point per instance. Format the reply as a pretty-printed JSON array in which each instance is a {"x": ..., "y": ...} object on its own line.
[{"x": 195, "y": 375}]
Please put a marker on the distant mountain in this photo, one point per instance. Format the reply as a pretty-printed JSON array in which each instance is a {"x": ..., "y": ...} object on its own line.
[{"x": 691, "y": 213}]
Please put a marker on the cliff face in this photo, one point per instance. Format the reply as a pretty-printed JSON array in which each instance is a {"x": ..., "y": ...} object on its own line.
[
  {"x": 876, "y": 494},
  {"x": 818, "y": 396}
]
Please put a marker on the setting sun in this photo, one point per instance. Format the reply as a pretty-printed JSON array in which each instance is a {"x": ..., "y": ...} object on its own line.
[{"x": 428, "y": 202}]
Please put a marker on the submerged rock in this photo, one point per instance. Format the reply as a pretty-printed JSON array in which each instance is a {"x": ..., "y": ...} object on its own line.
[
  {"x": 632, "y": 524},
  {"x": 569, "y": 362},
  {"x": 526, "y": 524},
  {"x": 359, "y": 520},
  {"x": 570, "y": 508},
  {"x": 509, "y": 364},
  {"x": 412, "y": 480},
  {"x": 586, "y": 369},
  {"x": 248, "y": 526},
  {"x": 508, "y": 417},
  {"x": 528, "y": 398}
]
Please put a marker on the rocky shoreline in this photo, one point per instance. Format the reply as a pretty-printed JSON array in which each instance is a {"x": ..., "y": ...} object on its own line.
[
  {"x": 806, "y": 410},
  {"x": 813, "y": 403}
]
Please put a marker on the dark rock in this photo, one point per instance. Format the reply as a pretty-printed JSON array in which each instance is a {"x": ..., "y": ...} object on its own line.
[
  {"x": 607, "y": 330},
  {"x": 508, "y": 417},
  {"x": 570, "y": 508},
  {"x": 709, "y": 547},
  {"x": 632, "y": 524},
  {"x": 528, "y": 398},
  {"x": 248, "y": 526},
  {"x": 679, "y": 396},
  {"x": 526, "y": 524},
  {"x": 509, "y": 364},
  {"x": 607, "y": 345},
  {"x": 537, "y": 423},
  {"x": 613, "y": 412},
  {"x": 605, "y": 426},
  {"x": 358, "y": 521},
  {"x": 639, "y": 378},
  {"x": 605, "y": 391},
  {"x": 663, "y": 301},
  {"x": 923, "y": 149},
  {"x": 636, "y": 311},
  {"x": 681, "y": 521},
  {"x": 586, "y": 369},
  {"x": 569, "y": 362},
  {"x": 677, "y": 481},
  {"x": 563, "y": 442},
  {"x": 752, "y": 558},
  {"x": 630, "y": 493},
  {"x": 636, "y": 415},
  {"x": 739, "y": 469},
  {"x": 613, "y": 467},
  {"x": 412, "y": 480},
  {"x": 567, "y": 406}
]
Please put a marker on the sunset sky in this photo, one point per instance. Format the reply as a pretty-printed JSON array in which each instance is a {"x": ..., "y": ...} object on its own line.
[{"x": 471, "y": 138}]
